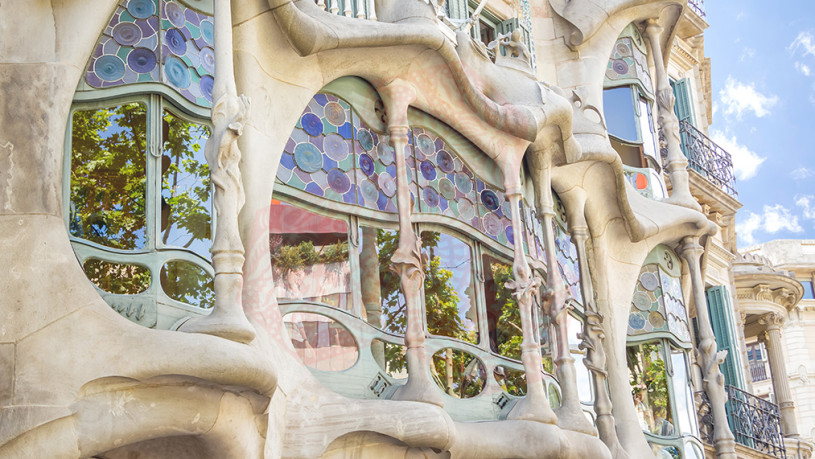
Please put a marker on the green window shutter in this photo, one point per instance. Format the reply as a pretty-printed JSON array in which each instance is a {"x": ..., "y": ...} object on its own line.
[
  {"x": 457, "y": 9},
  {"x": 683, "y": 107},
  {"x": 721, "y": 318}
]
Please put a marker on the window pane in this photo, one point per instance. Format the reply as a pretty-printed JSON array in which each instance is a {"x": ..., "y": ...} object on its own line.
[
  {"x": 808, "y": 293},
  {"x": 321, "y": 342},
  {"x": 503, "y": 315},
  {"x": 646, "y": 128},
  {"x": 108, "y": 174},
  {"x": 458, "y": 373},
  {"x": 390, "y": 357},
  {"x": 649, "y": 380},
  {"x": 185, "y": 186},
  {"x": 448, "y": 287},
  {"x": 309, "y": 256},
  {"x": 583, "y": 376},
  {"x": 188, "y": 283},
  {"x": 118, "y": 278},
  {"x": 382, "y": 299},
  {"x": 686, "y": 417},
  {"x": 618, "y": 110},
  {"x": 511, "y": 381}
]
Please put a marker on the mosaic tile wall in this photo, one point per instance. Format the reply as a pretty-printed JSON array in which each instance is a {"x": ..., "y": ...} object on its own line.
[
  {"x": 156, "y": 41},
  {"x": 628, "y": 62},
  {"x": 657, "y": 304}
]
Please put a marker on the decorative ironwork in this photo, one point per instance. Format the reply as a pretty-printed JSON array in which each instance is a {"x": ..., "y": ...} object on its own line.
[
  {"x": 705, "y": 413},
  {"x": 756, "y": 423},
  {"x": 758, "y": 370},
  {"x": 707, "y": 158},
  {"x": 698, "y": 6}
]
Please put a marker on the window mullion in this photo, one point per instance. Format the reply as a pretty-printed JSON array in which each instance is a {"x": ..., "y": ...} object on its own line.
[
  {"x": 354, "y": 245},
  {"x": 153, "y": 188}
]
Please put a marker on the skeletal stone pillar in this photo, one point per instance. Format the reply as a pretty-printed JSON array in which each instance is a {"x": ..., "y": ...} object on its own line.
[
  {"x": 781, "y": 386},
  {"x": 677, "y": 166},
  {"x": 408, "y": 264},
  {"x": 371, "y": 289},
  {"x": 229, "y": 112},
  {"x": 709, "y": 358}
]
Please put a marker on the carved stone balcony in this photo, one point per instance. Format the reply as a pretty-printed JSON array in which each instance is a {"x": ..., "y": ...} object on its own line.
[{"x": 708, "y": 159}]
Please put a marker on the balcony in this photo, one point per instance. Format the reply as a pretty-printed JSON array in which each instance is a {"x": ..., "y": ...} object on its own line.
[
  {"x": 360, "y": 9},
  {"x": 708, "y": 159},
  {"x": 755, "y": 422},
  {"x": 698, "y": 7},
  {"x": 758, "y": 371}
]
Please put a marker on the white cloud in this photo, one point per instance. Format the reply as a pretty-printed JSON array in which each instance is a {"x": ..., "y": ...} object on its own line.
[
  {"x": 803, "y": 68},
  {"x": 802, "y": 173},
  {"x": 737, "y": 98},
  {"x": 805, "y": 41},
  {"x": 807, "y": 205},
  {"x": 772, "y": 220},
  {"x": 745, "y": 161}
]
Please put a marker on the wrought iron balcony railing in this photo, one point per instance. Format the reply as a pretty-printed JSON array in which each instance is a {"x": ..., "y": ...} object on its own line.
[
  {"x": 758, "y": 370},
  {"x": 756, "y": 423},
  {"x": 707, "y": 158},
  {"x": 698, "y": 6}
]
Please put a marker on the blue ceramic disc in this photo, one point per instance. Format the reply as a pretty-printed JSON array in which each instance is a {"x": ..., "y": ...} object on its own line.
[{"x": 109, "y": 68}]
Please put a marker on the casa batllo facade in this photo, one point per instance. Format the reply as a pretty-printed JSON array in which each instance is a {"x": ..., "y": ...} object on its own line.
[{"x": 367, "y": 228}]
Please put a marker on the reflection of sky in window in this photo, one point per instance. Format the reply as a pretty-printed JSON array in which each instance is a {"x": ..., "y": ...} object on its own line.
[
  {"x": 455, "y": 257},
  {"x": 618, "y": 110},
  {"x": 682, "y": 392}
]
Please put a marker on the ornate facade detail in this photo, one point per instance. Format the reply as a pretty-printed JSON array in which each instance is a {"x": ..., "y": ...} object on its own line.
[{"x": 762, "y": 292}]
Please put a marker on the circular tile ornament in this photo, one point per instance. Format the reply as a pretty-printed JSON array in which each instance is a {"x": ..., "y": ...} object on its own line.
[
  {"x": 636, "y": 321},
  {"x": 490, "y": 200},
  {"x": 463, "y": 182},
  {"x": 206, "y": 86},
  {"x": 430, "y": 197},
  {"x": 369, "y": 191},
  {"x": 141, "y": 9},
  {"x": 656, "y": 319},
  {"x": 176, "y": 42},
  {"x": 619, "y": 66},
  {"x": 649, "y": 281},
  {"x": 366, "y": 164},
  {"x": 207, "y": 56},
  {"x": 312, "y": 124},
  {"x": 208, "y": 31},
  {"x": 385, "y": 152},
  {"x": 425, "y": 144},
  {"x": 339, "y": 181},
  {"x": 126, "y": 33},
  {"x": 308, "y": 158},
  {"x": 466, "y": 209},
  {"x": 387, "y": 184},
  {"x": 335, "y": 147},
  {"x": 428, "y": 170},
  {"x": 641, "y": 301},
  {"x": 366, "y": 141},
  {"x": 176, "y": 72},
  {"x": 445, "y": 162},
  {"x": 509, "y": 234},
  {"x": 623, "y": 50},
  {"x": 109, "y": 68},
  {"x": 141, "y": 60},
  {"x": 175, "y": 13},
  {"x": 335, "y": 115},
  {"x": 492, "y": 224},
  {"x": 447, "y": 189}
]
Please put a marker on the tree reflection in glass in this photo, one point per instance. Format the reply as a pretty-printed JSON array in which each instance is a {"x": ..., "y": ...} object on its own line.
[
  {"x": 108, "y": 176},
  {"x": 503, "y": 315},
  {"x": 395, "y": 364},
  {"x": 448, "y": 287},
  {"x": 309, "y": 255},
  {"x": 511, "y": 381},
  {"x": 188, "y": 283},
  {"x": 649, "y": 388},
  {"x": 185, "y": 186},
  {"x": 117, "y": 278},
  {"x": 458, "y": 373}
]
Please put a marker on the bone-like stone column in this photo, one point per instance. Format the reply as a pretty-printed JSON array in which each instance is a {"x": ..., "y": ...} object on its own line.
[
  {"x": 709, "y": 358},
  {"x": 229, "y": 112},
  {"x": 677, "y": 166},
  {"x": 781, "y": 386}
]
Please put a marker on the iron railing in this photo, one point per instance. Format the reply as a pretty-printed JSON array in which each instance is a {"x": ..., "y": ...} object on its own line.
[
  {"x": 698, "y": 6},
  {"x": 758, "y": 370},
  {"x": 755, "y": 422},
  {"x": 360, "y": 9},
  {"x": 707, "y": 158}
]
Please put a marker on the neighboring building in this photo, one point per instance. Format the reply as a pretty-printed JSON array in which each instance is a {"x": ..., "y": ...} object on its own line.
[{"x": 432, "y": 229}]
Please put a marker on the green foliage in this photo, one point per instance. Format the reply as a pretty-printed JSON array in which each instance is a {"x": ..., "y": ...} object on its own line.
[
  {"x": 293, "y": 257},
  {"x": 117, "y": 278},
  {"x": 510, "y": 334},
  {"x": 647, "y": 367},
  {"x": 188, "y": 283}
]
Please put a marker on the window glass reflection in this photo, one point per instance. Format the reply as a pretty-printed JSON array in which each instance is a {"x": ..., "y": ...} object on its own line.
[
  {"x": 503, "y": 315},
  {"x": 646, "y": 122},
  {"x": 584, "y": 391},
  {"x": 390, "y": 357},
  {"x": 188, "y": 283},
  {"x": 458, "y": 373},
  {"x": 649, "y": 380},
  {"x": 511, "y": 381},
  {"x": 382, "y": 299},
  {"x": 118, "y": 278},
  {"x": 108, "y": 175},
  {"x": 618, "y": 110},
  {"x": 309, "y": 254},
  {"x": 448, "y": 287},
  {"x": 185, "y": 187},
  {"x": 320, "y": 342},
  {"x": 686, "y": 416}
]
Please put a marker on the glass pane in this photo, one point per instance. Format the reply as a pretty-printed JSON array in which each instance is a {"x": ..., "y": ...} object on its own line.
[
  {"x": 390, "y": 357},
  {"x": 118, "y": 278},
  {"x": 646, "y": 128},
  {"x": 808, "y": 293},
  {"x": 666, "y": 452},
  {"x": 458, "y": 373},
  {"x": 503, "y": 315},
  {"x": 554, "y": 397},
  {"x": 618, "y": 110},
  {"x": 511, "y": 381},
  {"x": 649, "y": 380},
  {"x": 583, "y": 376},
  {"x": 686, "y": 416},
  {"x": 309, "y": 256},
  {"x": 382, "y": 299},
  {"x": 185, "y": 186},
  {"x": 320, "y": 342},
  {"x": 448, "y": 287},
  {"x": 188, "y": 283},
  {"x": 108, "y": 174}
]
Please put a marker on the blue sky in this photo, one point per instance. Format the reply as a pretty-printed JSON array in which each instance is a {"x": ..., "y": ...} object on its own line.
[{"x": 763, "y": 89}]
